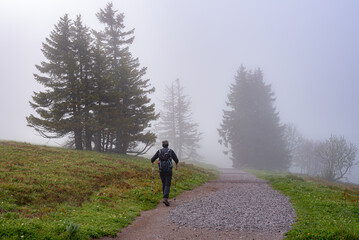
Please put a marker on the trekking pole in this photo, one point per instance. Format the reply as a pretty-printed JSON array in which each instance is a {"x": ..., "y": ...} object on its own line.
[
  {"x": 152, "y": 178},
  {"x": 175, "y": 182}
]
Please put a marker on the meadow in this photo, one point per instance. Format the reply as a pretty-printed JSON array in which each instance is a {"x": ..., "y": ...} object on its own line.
[
  {"x": 56, "y": 193},
  {"x": 324, "y": 210}
]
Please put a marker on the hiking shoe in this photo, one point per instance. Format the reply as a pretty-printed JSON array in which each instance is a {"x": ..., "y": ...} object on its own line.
[{"x": 165, "y": 201}]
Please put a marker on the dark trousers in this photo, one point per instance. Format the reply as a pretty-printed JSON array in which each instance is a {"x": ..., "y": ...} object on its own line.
[{"x": 166, "y": 178}]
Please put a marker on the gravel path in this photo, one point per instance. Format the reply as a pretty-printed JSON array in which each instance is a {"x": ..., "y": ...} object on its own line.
[
  {"x": 242, "y": 203},
  {"x": 237, "y": 206}
]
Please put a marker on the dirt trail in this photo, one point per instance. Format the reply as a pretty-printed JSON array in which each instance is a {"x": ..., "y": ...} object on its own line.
[{"x": 157, "y": 225}]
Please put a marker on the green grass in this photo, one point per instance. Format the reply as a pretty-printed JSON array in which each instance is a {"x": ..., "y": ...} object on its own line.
[
  {"x": 324, "y": 210},
  {"x": 55, "y": 193}
]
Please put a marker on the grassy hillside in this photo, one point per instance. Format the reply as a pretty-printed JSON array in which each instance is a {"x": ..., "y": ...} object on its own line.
[
  {"x": 324, "y": 210},
  {"x": 55, "y": 193}
]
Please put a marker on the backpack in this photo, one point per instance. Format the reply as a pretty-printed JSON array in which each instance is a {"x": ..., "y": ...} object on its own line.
[{"x": 165, "y": 160}]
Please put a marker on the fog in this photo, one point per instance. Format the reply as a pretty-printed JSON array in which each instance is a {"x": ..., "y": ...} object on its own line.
[{"x": 308, "y": 50}]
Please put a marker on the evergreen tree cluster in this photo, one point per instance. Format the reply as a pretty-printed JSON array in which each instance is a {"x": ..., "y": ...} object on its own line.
[
  {"x": 176, "y": 123},
  {"x": 251, "y": 128},
  {"x": 95, "y": 90}
]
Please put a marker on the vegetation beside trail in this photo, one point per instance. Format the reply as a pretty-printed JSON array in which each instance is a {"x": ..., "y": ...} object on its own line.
[
  {"x": 55, "y": 193},
  {"x": 324, "y": 210}
]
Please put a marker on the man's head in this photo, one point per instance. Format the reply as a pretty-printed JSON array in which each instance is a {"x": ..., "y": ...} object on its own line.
[{"x": 165, "y": 143}]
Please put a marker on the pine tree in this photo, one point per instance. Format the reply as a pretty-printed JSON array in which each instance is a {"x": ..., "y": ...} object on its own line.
[
  {"x": 167, "y": 127},
  {"x": 251, "y": 129},
  {"x": 130, "y": 107},
  {"x": 58, "y": 106},
  {"x": 95, "y": 91},
  {"x": 82, "y": 43},
  {"x": 176, "y": 124},
  {"x": 102, "y": 85}
]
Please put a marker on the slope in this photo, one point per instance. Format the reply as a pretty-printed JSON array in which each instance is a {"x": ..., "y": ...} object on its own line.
[{"x": 55, "y": 193}]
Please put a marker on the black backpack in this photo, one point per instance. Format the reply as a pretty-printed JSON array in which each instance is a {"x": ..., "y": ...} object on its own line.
[{"x": 165, "y": 160}]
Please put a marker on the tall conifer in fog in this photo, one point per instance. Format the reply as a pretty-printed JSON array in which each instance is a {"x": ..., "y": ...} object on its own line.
[
  {"x": 176, "y": 123},
  {"x": 82, "y": 41},
  {"x": 130, "y": 108},
  {"x": 251, "y": 128},
  {"x": 59, "y": 106},
  {"x": 101, "y": 97},
  {"x": 95, "y": 90}
]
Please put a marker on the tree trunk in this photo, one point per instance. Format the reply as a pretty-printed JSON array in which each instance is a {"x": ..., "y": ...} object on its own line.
[
  {"x": 97, "y": 141},
  {"x": 88, "y": 139},
  {"x": 78, "y": 139}
]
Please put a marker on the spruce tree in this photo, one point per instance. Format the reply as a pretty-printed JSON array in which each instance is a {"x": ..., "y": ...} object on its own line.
[
  {"x": 82, "y": 43},
  {"x": 130, "y": 107},
  {"x": 95, "y": 90},
  {"x": 167, "y": 127},
  {"x": 59, "y": 106},
  {"x": 251, "y": 129},
  {"x": 102, "y": 84},
  {"x": 176, "y": 123}
]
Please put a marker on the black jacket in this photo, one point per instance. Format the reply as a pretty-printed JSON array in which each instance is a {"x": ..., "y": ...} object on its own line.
[{"x": 173, "y": 154}]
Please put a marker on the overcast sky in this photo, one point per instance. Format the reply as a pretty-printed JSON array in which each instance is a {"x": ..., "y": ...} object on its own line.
[{"x": 308, "y": 50}]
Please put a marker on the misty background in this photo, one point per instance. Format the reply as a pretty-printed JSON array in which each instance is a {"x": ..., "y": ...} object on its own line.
[{"x": 308, "y": 51}]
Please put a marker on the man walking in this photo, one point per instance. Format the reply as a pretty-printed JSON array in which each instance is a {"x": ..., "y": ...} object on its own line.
[{"x": 165, "y": 156}]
